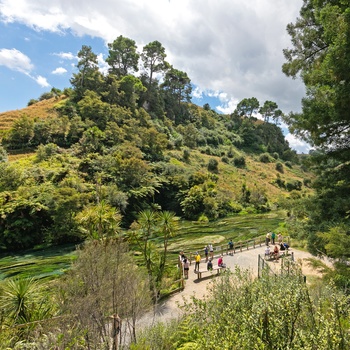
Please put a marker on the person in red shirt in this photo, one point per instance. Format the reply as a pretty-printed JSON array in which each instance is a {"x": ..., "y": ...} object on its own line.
[{"x": 221, "y": 261}]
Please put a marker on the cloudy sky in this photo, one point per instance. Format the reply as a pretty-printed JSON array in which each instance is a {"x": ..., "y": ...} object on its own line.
[{"x": 230, "y": 49}]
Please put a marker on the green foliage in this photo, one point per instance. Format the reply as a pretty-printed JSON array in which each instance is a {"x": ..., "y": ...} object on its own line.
[
  {"x": 21, "y": 133},
  {"x": 289, "y": 164},
  {"x": 248, "y": 106},
  {"x": 151, "y": 224},
  {"x": 239, "y": 161},
  {"x": 122, "y": 56},
  {"x": 293, "y": 185},
  {"x": 32, "y": 101},
  {"x": 279, "y": 167},
  {"x": 22, "y": 301},
  {"x": 3, "y": 155},
  {"x": 268, "y": 313},
  {"x": 213, "y": 165},
  {"x": 265, "y": 158}
]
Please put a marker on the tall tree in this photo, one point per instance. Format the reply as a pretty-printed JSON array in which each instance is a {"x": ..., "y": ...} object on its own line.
[
  {"x": 88, "y": 75},
  {"x": 178, "y": 84},
  {"x": 321, "y": 54},
  {"x": 123, "y": 57},
  {"x": 151, "y": 224},
  {"x": 153, "y": 57},
  {"x": 268, "y": 110},
  {"x": 248, "y": 106}
]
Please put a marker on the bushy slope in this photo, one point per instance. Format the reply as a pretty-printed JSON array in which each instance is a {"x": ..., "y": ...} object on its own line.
[{"x": 69, "y": 159}]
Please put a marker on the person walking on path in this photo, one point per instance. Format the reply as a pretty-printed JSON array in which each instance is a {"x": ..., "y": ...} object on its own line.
[
  {"x": 211, "y": 251},
  {"x": 206, "y": 252},
  {"x": 276, "y": 252},
  {"x": 268, "y": 238},
  {"x": 186, "y": 266},
  {"x": 230, "y": 247},
  {"x": 197, "y": 258}
]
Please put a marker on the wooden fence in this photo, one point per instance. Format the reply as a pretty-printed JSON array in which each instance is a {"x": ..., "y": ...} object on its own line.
[{"x": 239, "y": 246}]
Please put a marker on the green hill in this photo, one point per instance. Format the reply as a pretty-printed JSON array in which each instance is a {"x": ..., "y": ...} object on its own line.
[{"x": 116, "y": 142}]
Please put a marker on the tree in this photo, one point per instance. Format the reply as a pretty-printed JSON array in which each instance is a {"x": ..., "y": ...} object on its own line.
[
  {"x": 149, "y": 225},
  {"x": 123, "y": 56},
  {"x": 248, "y": 106},
  {"x": 153, "y": 57},
  {"x": 178, "y": 84},
  {"x": 320, "y": 53},
  {"x": 268, "y": 110},
  {"x": 99, "y": 221},
  {"x": 104, "y": 281},
  {"x": 21, "y": 134},
  {"x": 88, "y": 76}
]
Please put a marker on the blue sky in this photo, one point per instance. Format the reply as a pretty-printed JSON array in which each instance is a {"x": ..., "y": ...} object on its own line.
[{"x": 230, "y": 49}]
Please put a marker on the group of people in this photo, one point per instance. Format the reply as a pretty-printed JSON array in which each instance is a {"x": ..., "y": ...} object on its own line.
[
  {"x": 276, "y": 250},
  {"x": 185, "y": 264},
  {"x": 220, "y": 263},
  {"x": 271, "y": 237}
]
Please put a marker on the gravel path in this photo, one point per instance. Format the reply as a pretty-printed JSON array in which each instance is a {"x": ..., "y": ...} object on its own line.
[{"x": 247, "y": 259}]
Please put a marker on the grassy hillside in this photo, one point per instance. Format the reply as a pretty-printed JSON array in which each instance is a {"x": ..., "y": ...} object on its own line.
[
  {"x": 71, "y": 159},
  {"x": 254, "y": 174},
  {"x": 41, "y": 109}
]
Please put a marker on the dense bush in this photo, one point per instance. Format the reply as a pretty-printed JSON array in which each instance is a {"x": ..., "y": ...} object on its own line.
[
  {"x": 239, "y": 161},
  {"x": 265, "y": 158},
  {"x": 279, "y": 167},
  {"x": 255, "y": 319},
  {"x": 213, "y": 165}
]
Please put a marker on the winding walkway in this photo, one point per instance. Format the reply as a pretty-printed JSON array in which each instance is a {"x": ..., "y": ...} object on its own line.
[{"x": 247, "y": 259}]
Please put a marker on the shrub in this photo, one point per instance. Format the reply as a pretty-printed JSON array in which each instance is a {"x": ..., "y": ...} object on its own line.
[
  {"x": 275, "y": 155},
  {"x": 213, "y": 165},
  {"x": 265, "y": 158},
  {"x": 293, "y": 185},
  {"x": 289, "y": 164},
  {"x": 186, "y": 154},
  {"x": 225, "y": 160},
  {"x": 307, "y": 182},
  {"x": 203, "y": 218},
  {"x": 279, "y": 167},
  {"x": 32, "y": 102},
  {"x": 3, "y": 155},
  {"x": 231, "y": 153},
  {"x": 239, "y": 161},
  {"x": 279, "y": 182}
]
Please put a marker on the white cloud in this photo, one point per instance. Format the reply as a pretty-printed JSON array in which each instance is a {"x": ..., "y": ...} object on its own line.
[
  {"x": 197, "y": 93},
  {"x": 103, "y": 65},
  {"x": 59, "y": 71},
  {"x": 232, "y": 46},
  {"x": 299, "y": 145},
  {"x": 41, "y": 81},
  {"x": 15, "y": 60},
  {"x": 65, "y": 55}
]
